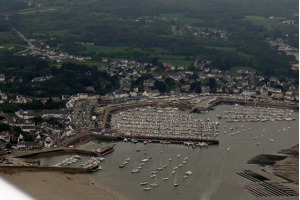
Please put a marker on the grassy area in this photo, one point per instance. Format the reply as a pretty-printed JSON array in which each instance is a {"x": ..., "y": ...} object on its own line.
[
  {"x": 232, "y": 49},
  {"x": 58, "y": 32},
  {"x": 177, "y": 62},
  {"x": 181, "y": 18},
  {"x": 105, "y": 49},
  {"x": 269, "y": 24},
  {"x": 89, "y": 63},
  {"x": 35, "y": 10}
]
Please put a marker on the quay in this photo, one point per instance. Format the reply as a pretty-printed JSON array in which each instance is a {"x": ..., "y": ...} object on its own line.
[
  {"x": 17, "y": 168},
  {"x": 172, "y": 140},
  {"x": 210, "y": 104},
  {"x": 14, "y": 168},
  {"x": 60, "y": 151}
]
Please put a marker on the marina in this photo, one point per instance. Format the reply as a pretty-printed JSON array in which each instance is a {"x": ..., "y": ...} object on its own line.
[
  {"x": 170, "y": 171},
  {"x": 151, "y": 123},
  {"x": 200, "y": 173}
]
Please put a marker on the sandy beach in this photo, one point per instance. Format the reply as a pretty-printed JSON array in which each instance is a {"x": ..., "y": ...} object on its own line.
[{"x": 60, "y": 186}]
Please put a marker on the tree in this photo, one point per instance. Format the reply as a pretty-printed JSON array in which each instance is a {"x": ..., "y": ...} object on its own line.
[
  {"x": 195, "y": 87},
  {"x": 161, "y": 86},
  {"x": 4, "y": 127},
  {"x": 212, "y": 85}
]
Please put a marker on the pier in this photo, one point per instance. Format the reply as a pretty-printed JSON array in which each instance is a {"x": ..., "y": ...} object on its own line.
[{"x": 61, "y": 151}]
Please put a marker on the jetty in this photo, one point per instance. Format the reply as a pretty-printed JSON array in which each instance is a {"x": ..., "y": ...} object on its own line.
[{"x": 61, "y": 151}]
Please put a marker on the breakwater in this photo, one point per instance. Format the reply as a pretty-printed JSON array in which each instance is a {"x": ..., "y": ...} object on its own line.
[
  {"x": 60, "y": 151},
  {"x": 16, "y": 169}
]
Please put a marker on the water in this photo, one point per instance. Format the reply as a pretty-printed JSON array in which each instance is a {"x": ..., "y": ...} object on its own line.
[{"x": 214, "y": 169}]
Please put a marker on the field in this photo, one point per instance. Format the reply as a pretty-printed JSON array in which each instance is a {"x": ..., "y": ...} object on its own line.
[{"x": 181, "y": 18}]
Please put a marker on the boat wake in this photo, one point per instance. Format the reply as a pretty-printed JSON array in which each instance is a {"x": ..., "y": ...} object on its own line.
[{"x": 216, "y": 177}]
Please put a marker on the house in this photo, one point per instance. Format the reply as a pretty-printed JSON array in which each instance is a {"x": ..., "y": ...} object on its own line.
[
  {"x": 54, "y": 113},
  {"x": 248, "y": 92},
  {"x": 28, "y": 114},
  {"x": 82, "y": 96},
  {"x": 186, "y": 87},
  {"x": 154, "y": 93},
  {"x": 28, "y": 128},
  {"x": 205, "y": 89},
  {"x": 148, "y": 83},
  {"x": 2, "y": 77},
  {"x": 133, "y": 94},
  {"x": 21, "y": 99},
  {"x": 277, "y": 96},
  {"x": 65, "y": 97}
]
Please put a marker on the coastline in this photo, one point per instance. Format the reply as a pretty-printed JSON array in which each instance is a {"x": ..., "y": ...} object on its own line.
[
  {"x": 52, "y": 185},
  {"x": 282, "y": 164}
]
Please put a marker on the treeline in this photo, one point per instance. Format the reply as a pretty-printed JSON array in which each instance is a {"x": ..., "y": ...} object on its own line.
[{"x": 70, "y": 78}]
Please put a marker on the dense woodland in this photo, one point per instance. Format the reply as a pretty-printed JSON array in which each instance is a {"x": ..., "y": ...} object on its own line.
[{"x": 119, "y": 24}]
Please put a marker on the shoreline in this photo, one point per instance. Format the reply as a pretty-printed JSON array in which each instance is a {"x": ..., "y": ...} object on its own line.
[
  {"x": 282, "y": 164},
  {"x": 52, "y": 185}
]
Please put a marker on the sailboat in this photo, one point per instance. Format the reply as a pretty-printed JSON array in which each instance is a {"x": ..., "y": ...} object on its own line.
[
  {"x": 175, "y": 181},
  {"x": 136, "y": 170},
  {"x": 144, "y": 183},
  {"x": 154, "y": 184}
]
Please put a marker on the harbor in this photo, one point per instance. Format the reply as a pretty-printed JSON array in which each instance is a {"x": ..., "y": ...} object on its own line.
[
  {"x": 211, "y": 167},
  {"x": 24, "y": 161},
  {"x": 164, "y": 124}
]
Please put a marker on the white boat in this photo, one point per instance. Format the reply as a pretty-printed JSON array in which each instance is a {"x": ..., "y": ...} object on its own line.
[
  {"x": 188, "y": 173},
  {"x": 175, "y": 184},
  {"x": 135, "y": 171},
  {"x": 173, "y": 172},
  {"x": 165, "y": 178},
  {"x": 121, "y": 166},
  {"x": 228, "y": 149},
  {"x": 178, "y": 155},
  {"x": 154, "y": 184},
  {"x": 153, "y": 176},
  {"x": 144, "y": 183},
  {"x": 148, "y": 188}
]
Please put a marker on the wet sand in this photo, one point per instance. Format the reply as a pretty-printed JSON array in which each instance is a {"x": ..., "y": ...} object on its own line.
[{"x": 52, "y": 185}]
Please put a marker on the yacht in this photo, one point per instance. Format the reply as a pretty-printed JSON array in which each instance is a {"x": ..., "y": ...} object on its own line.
[
  {"x": 188, "y": 173},
  {"x": 175, "y": 181},
  {"x": 135, "y": 171},
  {"x": 153, "y": 176},
  {"x": 121, "y": 166}
]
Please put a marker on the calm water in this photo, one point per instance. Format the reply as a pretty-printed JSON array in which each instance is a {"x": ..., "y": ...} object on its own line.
[{"x": 214, "y": 169}]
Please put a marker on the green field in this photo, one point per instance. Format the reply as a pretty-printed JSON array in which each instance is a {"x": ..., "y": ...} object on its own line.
[
  {"x": 105, "y": 49},
  {"x": 58, "y": 32},
  {"x": 232, "y": 49},
  {"x": 268, "y": 24}
]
